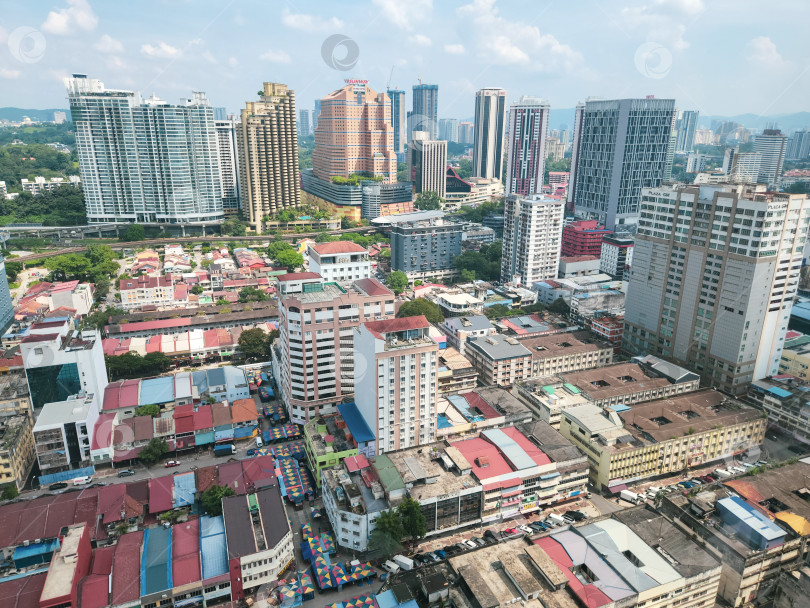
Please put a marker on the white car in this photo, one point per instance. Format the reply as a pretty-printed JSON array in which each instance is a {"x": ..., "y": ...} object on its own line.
[{"x": 526, "y": 529}]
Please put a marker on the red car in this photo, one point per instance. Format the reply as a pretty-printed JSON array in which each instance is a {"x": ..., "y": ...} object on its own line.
[
  {"x": 172, "y": 463},
  {"x": 511, "y": 530}
]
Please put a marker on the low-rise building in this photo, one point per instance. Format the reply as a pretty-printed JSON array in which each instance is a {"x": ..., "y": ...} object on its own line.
[
  {"x": 663, "y": 436},
  {"x": 796, "y": 355},
  {"x": 473, "y": 411},
  {"x": 63, "y": 431},
  {"x": 566, "y": 352},
  {"x": 499, "y": 359},
  {"x": 786, "y": 401},
  {"x": 141, "y": 291},
  {"x": 339, "y": 261},
  {"x": 578, "y": 266},
  {"x": 16, "y": 437},
  {"x": 758, "y": 524},
  {"x": 456, "y": 372},
  {"x": 617, "y": 255},
  {"x": 327, "y": 441},
  {"x": 259, "y": 539},
  {"x": 69, "y": 565},
  {"x": 40, "y": 184},
  {"x": 459, "y": 303},
  {"x": 610, "y": 329},
  {"x": 458, "y": 329}
]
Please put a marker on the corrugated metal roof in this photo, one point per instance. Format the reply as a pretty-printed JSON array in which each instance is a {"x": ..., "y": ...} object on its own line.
[
  {"x": 156, "y": 564},
  {"x": 184, "y": 489},
  {"x": 752, "y": 518},
  {"x": 518, "y": 458}
]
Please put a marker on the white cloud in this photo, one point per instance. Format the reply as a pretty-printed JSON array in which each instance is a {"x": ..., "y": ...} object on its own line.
[
  {"x": 403, "y": 14},
  {"x": 762, "y": 53},
  {"x": 454, "y": 49},
  {"x": 309, "y": 23},
  {"x": 515, "y": 43},
  {"x": 232, "y": 62},
  {"x": 209, "y": 57},
  {"x": 691, "y": 7},
  {"x": 3, "y": 35},
  {"x": 6, "y": 73},
  {"x": 115, "y": 63},
  {"x": 108, "y": 44},
  {"x": 662, "y": 22},
  {"x": 78, "y": 15},
  {"x": 420, "y": 39},
  {"x": 275, "y": 57},
  {"x": 161, "y": 50}
]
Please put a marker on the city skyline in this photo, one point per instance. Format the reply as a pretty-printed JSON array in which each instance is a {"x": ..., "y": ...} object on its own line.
[{"x": 655, "y": 50}]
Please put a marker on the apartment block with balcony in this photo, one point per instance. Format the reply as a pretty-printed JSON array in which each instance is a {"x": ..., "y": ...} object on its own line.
[
  {"x": 17, "y": 453},
  {"x": 339, "y": 261}
]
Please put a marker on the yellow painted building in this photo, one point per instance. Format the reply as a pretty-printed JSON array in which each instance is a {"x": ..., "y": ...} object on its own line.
[
  {"x": 662, "y": 436},
  {"x": 17, "y": 453}
]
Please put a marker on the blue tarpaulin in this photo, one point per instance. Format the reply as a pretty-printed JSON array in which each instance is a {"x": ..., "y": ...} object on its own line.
[
  {"x": 184, "y": 488},
  {"x": 45, "y": 480}
]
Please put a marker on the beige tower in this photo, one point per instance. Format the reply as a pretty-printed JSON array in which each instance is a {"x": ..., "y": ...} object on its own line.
[{"x": 268, "y": 158}]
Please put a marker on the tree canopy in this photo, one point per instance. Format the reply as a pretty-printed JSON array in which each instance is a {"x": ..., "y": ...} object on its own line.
[
  {"x": 151, "y": 409},
  {"x": 484, "y": 263},
  {"x": 428, "y": 201},
  {"x": 254, "y": 344},
  {"x": 397, "y": 281},
  {"x": 153, "y": 451},
  {"x": 133, "y": 365},
  {"x": 559, "y": 307},
  {"x": 134, "y": 232},
  {"x": 251, "y": 294},
  {"x": 234, "y": 227},
  {"x": 422, "y": 306},
  {"x": 63, "y": 206},
  {"x": 211, "y": 499},
  {"x": 413, "y": 521}
]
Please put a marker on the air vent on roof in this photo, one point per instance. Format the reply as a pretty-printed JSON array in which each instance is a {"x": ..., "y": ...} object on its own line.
[
  {"x": 492, "y": 341},
  {"x": 512, "y": 341},
  {"x": 482, "y": 461},
  {"x": 465, "y": 322}
]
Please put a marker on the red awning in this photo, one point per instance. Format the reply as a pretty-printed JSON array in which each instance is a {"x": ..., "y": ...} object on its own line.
[{"x": 618, "y": 488}]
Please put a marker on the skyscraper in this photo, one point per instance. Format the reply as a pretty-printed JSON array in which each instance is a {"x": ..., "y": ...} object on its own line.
[
  {"x": 6, "y": 304},
  {"x": 427, "y": 164},
  {"x": 798, "y": 147},
  {"x": 425, "y": 110},
  {"x": 490, "y": 120},
  {"x": 448, "y": 129},
  {"x": 771, "y": 144},
  {"x": 526, "y": 149},
  {"x": 303, "y": 118},
  {"x": 315, "y": 113},
  {"x": 715, "y": 270},
  {"x": 397, "y": 381},
  {"x": 579, "y": 114},
  {"x": 227, "y": 135},
  {"x": 145, "y": 160},
  {"x": 355, "y": 135},
  {"x": 620, "y": 147},
  {"x": 268, "y": 154},
  {"x": 398, "y": 113},
  {"x": 686, "y": 126},
  {"x": 532, "y": 233},
  {"x": 466, "y": 133}
]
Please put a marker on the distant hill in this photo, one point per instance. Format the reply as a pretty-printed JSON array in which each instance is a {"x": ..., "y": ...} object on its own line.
[
  {"x": 786, "y": 122},
  {"x": 17, "y": 114}
]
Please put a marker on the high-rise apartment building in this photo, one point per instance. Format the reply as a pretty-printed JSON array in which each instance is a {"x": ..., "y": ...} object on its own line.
[
  {"x": 532, "y": 233},
  {"x": 425, "y": 247},
  {"x": 798, "y": 147},
  {"x": 490, "y": 122},
  {"x": 427, "y": 164},
  {"x": 144, "y": 160},
  {"x": 715, "y": 270},
  {"x": 425, "y": 110},
  {"x": 620, "y": 146},
  {"x": 268, "y": 154},
  {"x": 314, "y": 357},
  {"x": 616, "y": 255},
  {"x": 771, "y": 144},
  {"x": 448, "y": 129},
  {"x": 526, "y": 149},
  {"x": 686, "y": 126},
  {"x": 579, "y": 114},
  {"x": 6, "y": 303},
  {"x": 745, "y": 167},
  {"x": 396, "y": 386},
  {"x": 355, "y": 135},
  {"x": 227, "y": 149},
  {"x": 398, "y": 116},
  {"x": 466, "y": 133},
  {"x": 303, "y": 123}
]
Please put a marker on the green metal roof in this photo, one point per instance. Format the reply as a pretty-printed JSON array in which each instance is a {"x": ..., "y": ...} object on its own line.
[
  {"x": 549, "y": 389},
  {"x": 388, "y": 474},
  {"x": 572, "y": 388}
]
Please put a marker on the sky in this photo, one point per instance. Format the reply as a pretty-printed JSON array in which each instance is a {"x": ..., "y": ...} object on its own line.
[{"x": 721, "y": 57}]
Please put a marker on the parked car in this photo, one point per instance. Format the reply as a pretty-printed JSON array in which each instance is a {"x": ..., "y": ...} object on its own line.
[
  {"x": 251, "y": 452},
  {"x": 470, "y": 544},
  {"x": 172, "y": 463},
  {"x": 490, "y": 535},
  {"x": 479, "y": 541},
  {"x": 126, "y": 472},
  {"x": 421, "y": 559},
  {"x": 526, "y": 529},
  {"x": 512, "y": 531},
  {"x": 60, "y": 485},
  {"x": 440, "y": 554}
]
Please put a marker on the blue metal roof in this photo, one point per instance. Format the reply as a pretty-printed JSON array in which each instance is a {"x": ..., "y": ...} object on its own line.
[
  {"x": 213, "y": 550},
  {"x": 49, "y": 546},
  {"x": 355, "y": 422},
  {"x": 779, "y": 392},
  {"x": 184, "y": 489},
  {"x": 442, "y": 422},
  {"x": 515, "y": 454},
  {"x": 216, "y": 377},
  {"x": 45, "y": 480},
  {"x": 463, "y": 406},
  {"x": 752, "y": 518},
  {"x": 156, "y": 390},
  {"x": 801, "y": 310},
  {"x": 156, "y": 561},
  {"x": 620, "y": 407}
]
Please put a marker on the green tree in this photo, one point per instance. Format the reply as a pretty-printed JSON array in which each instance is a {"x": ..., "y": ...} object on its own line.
[
  {"x": 467, "y": 275},
  {"x": 151, "y": 409},
  {"x": 559, "y": 307},
  {"x": 465, "y": 168},
  {"x": 10, "y": 492},
  {"x": 12, "y": 270},
  {"x": 390, "y": 523},
  {"x": 251, "y": 294},
  {"x": 413, "y": 521},
  {"x": 428, "y": 201},
  {"x": 381, "y": 546},
  {"x": 222, "y": 302},
  {"x": 197, "y": 290},
  {"x": 134, "y": 232},
  {"x": 254, "y": 344},
  {"x": 497, "y": 311},
  {"x": 211, "y": 499},
  {"x": 397, "y": 281},
  {"x": 421, "y": 306},
  {"x": 71, "y": 265},
  {"x": 290, "y": 259},
  {"x": 234, "y": 227},
  {"x": 98, "y": 319},
  {"x": 153, "y": 451},
  {"x": 325, "y": 237}
]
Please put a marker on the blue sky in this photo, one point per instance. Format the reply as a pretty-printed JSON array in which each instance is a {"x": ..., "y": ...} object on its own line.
[{"x": 718, "y": 56}]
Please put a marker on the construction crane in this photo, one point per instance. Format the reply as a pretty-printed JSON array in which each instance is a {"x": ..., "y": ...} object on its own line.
[{"x": 390, "y": 76}]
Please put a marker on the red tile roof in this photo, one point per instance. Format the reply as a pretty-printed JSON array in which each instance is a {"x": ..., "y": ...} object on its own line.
[
  {"x": 244, "y": 410},
  {"x": 161, "y": 494},
  {"x": 22, "y": 592},
  {"x": 393, "y": 325},
  {"x": 338, "y": 247},
  {"x": 186, "y": 553},
  {"x": 372, "y": 287},
  {"x": 202, "y": 418},
  {"x": 298, "y": 276}
]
